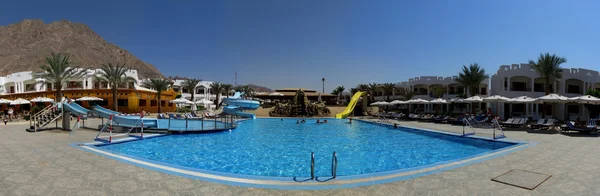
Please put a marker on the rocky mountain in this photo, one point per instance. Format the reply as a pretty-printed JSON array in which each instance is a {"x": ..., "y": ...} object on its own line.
[
  {"x": 25, "y": 45},
  {"x": 258, "y": 88}
]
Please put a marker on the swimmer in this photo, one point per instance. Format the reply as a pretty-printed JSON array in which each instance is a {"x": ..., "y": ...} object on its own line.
[
  {"x": 318, "y": 121},
  {"x": 298, "y": 122},
  {"x": 282, "y": 119},
  {"x": 324, "y": 121},
  {"x": 303, "y": 121},
  {"x": 349, "y": 121}
]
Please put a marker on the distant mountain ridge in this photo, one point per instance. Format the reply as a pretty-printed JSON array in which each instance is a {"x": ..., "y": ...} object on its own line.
[{"x": 25, "y": 45}]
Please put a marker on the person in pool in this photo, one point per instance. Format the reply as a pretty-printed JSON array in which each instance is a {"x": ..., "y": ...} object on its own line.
[
  {"x": 324, "y": 121},
  {"x": 318, "y": 121},
  {"x": 303, "y": 121},
  {"x": 298, "y": 122},
  {"x": 349, "y": 121}
]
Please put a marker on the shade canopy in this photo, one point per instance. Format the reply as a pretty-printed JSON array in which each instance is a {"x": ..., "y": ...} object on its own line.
[
  {"x": 495, "y": 98},
  {"x": 204, "y": 101},
  {"x": 552, "y": 98},
  {"x": 380, "y": 103},
  {"x": 5, "y": 101},
  {"x": 42, "y": 99},
  {"x": 474, "y": 99},
  {"x": 275, "y": 94},
  {"x": 522, "y": 99},
  {"x": 439, "y": 101},
  {"x": 20, "y": 101},
  {"x": 418, "y": 101},
  {"x": 90, "y": 99},
  {"x": 457, "y": 100},
  {"x": 181, "y": 101},
  {"x": 397, "y": 102},
  {"x": 586, "y": 99}
]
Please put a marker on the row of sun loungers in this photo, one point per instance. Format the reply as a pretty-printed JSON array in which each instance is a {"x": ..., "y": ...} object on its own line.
[{"x": 188, "y": 116}]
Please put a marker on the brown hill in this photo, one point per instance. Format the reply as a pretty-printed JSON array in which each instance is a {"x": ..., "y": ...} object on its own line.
[{"x": 24, "y": 46}]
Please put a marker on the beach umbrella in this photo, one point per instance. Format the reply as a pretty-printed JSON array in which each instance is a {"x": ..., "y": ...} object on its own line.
[
  {"x": 473, "y": 99},
  {"x": 42, "y": 99},
  {"x": 19, "y": 101},
  {"x": 438, "y": 101},
  {"x": 497, "y": 99},
  {"x": 397, "y": 102},
  {"x": 457, "y": 100},
  {"x": 585, "y": 99},
  {"x": 522, "y": 99},
  {"x": 5, "y": 101},
  {"x": 90, "y": 99},
  {"x": 204, "y": 101},
  {"x": 275, "y": 94},
  {"x": 181, "y": 101},
  {"x": 551, "y": 98},
  {"x": 418, "y": 101}
]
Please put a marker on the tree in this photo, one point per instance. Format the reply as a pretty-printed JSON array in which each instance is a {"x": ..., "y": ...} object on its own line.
[
  {"x": 438, "y": 92},
  {"x": 227, "y": 88},
  {"x": 217, "y": 89},
  {"x": 58, "y": 72},
  {"x": 363, "y": 87},
  {"x": 373, "y": 88},
  {"x": 548, "y": 67},
  {"x": 338, "y": 92},
  {"x": 115, "y": 76},
  {"x": 388, "y": 89},
  {"x": 471, "y": 77},
  {"x": 191, "y": 84},
  {"x": 409, "y": 94},
  {"x": 159, "y": 85},
  {"x": 248, "y": 91}
]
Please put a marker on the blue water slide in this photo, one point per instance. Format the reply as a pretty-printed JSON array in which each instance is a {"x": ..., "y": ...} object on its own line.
[
  {"x": 76, "y": 109},
  {"x": 236, "y": 106},
  {"x": 130, "y": 121}
]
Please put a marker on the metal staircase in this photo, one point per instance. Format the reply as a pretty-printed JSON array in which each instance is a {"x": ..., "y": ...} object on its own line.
[{"x": 44, "y": 117}]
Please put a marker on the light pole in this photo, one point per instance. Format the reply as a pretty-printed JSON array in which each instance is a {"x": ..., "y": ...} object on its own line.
[{"x": 323, "y": 80}]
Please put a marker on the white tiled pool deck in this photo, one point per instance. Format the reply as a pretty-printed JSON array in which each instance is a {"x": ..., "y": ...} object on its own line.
[{"x": 45, "y": 163}]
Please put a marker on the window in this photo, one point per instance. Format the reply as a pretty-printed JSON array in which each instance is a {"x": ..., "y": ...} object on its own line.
[
  {"x": 162, "y": 103},
  {"x": 573, "y": 109},
  {"x": 518, "y": 86},
  {"x": 142, "y": 103},
  {"x": 505, "y": 83},
  {"x": 573, "y": 89},
  {"x": 483, "y": 91},
  {"x": 170, "y": 104},
  {"x": 538, "y": 87},
  {"x": 153, "y": 103},
  {"x": 122, "y": 102}
]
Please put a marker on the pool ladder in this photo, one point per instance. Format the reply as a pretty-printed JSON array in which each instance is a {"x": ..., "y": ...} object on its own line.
[{"x": 334, "y": 163}]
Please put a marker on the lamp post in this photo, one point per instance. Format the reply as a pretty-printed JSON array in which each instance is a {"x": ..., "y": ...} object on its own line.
[{"x": 323, "y": 80}]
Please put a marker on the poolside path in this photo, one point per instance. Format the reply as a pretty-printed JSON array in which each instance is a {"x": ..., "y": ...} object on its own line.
[{"x": 44, "y": 163}]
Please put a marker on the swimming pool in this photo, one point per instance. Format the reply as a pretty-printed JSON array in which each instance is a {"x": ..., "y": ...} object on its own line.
[{"x": 282, "y": 148}]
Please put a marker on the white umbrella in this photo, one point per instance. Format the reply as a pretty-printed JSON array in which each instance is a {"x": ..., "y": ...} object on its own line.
[
  {"x": 585, "y": 99},
  {"x": 522, "y": 99},
  {"x": 204, "y": 101},
  {"x": 5, "y": 101},
  {"x": 19, "y": 101},
  {"x": 384, "y": 103},
  {"x": 275, "y": 94},
  {"x": 457, "y": 100},
  {"x": 90, "y": 99},
  {"x": 438, "y": 100},
  {"x": 376, "y": 103},
  {"x": 181, "y": 101},
  {"x": 418, "y": 101},
  {"x": 552, "y": 98},
  {"x": 42, "y": 99},
  {"x": 473, "y": 99},
  {"x": 397, "y": 102},
  {"x": 497, "y": 99}
]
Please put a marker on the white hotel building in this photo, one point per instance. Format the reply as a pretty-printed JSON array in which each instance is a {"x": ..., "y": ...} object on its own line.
[{"x": 511, "y": 81}]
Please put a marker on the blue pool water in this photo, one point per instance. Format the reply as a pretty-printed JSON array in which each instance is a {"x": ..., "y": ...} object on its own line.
[
  {"x": 191, "y": 124},
  {"x": 270, "y": 147}
]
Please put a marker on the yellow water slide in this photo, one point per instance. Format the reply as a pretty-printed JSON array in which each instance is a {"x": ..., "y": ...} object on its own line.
[{"x": 351, "y": 105}]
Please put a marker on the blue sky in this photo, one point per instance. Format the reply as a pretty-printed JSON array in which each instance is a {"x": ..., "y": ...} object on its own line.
[{"x": 281, "y": 43}]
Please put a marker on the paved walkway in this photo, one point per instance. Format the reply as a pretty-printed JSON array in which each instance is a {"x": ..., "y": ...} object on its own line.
[{"x": 44, "y": 163}]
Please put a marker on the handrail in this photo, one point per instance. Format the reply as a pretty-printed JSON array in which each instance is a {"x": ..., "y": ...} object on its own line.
[
  {"x": 466, "y": 120},
  {"x": 312, "y": 165},
  {"x": 334, "y": 162},
  {"x": 495, "y": 123}
]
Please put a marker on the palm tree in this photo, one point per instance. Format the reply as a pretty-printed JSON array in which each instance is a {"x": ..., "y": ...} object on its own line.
[
  {"x": 159, "y": 85},
  {"x": 409, "y": 94},
  {"x": 373, "y": 88},
  {"x": 471, "y": 77},
  {"x": 217, "y": 89},
  {"x": 438, "y": 92},
  {"x": 388, "y": 89},
  {"x": 227, "y": 88},
  {"x": 354, "y": 90},
  {"x": 191, "y": 84},
  {"x": 363, "y": 87},
  {"x": 248, "y": 91},
  {"x": 58, "y": 72},
  {"x": 548, "y": 67},
  {"x": 115, "y": 76},
  {"x": 338, "y": 92}
]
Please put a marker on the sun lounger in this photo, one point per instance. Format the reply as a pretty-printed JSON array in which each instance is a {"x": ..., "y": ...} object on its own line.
[
  {"x": 172, "y": 116},
  {"x": 549, "y": 123},
  {"x": 508, "y": 121},
  {"x": 517, "y": 122},
  {"x": 540, "y": 122},
  {"x": 161, "y": 116},
  {"x": 592, "y": 123},
  {"x": 571, "y": 127}
]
